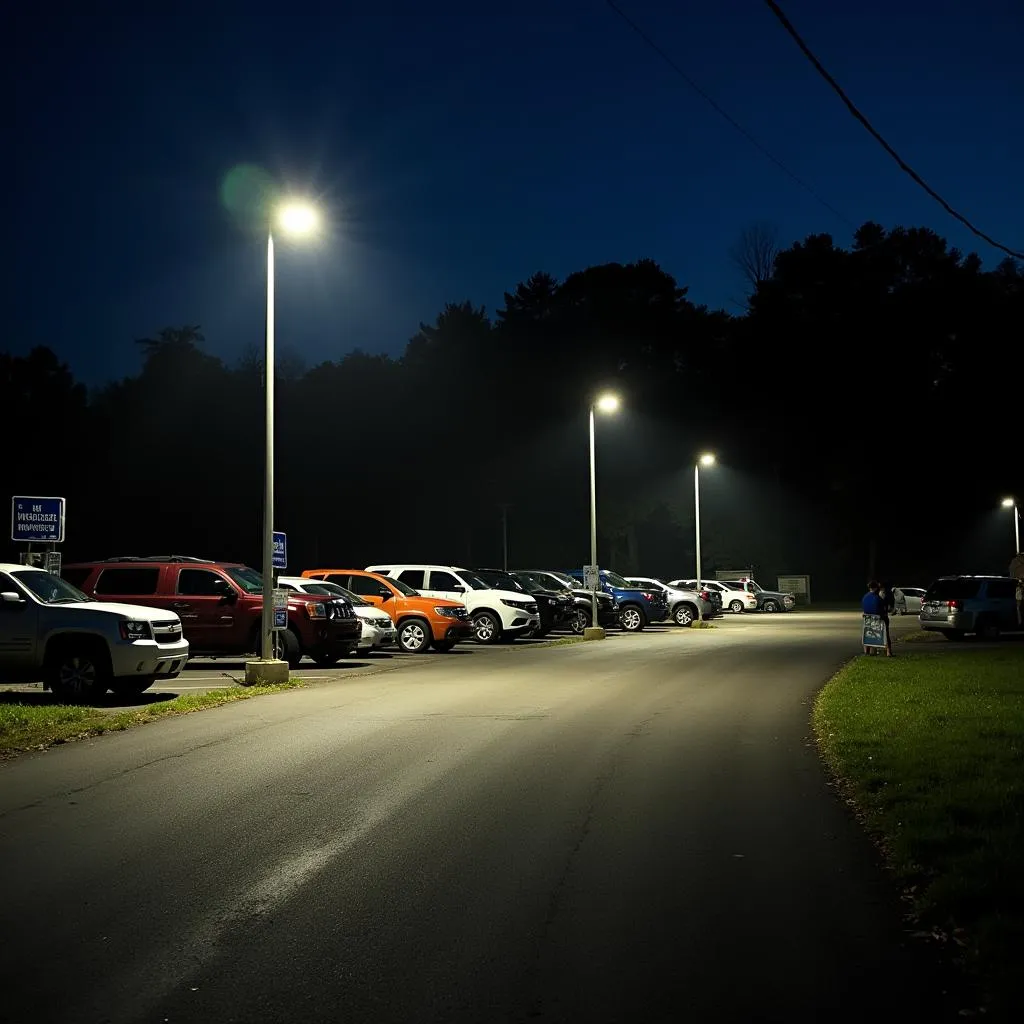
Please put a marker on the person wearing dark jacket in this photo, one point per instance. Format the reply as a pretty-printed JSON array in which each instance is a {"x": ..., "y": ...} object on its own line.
[{"x": 873, "y": 604}]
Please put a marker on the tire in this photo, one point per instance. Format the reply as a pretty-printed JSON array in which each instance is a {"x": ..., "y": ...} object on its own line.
[
  {"x": 987, "y": 629},
  {"x": 488, "y": 628},
  {"x": 78, "y": 671},
  {"x": 632, "y": 618},
  {"x": 684, "y": 614},
  {"x": 131, "y": 686},
  {"x": 287, "y": 647},
  {"x": 579, "y": 620},
  {"x": 443, "y": 646},
  {"x": 953, "y": 634},
  {"x": 770, "y": 606},
  {"x": 327, "y": 660},
  {"x": 736, "y": 607},
  {"x": 414, "y": 636},
  {"x": 539, "y": 634}
]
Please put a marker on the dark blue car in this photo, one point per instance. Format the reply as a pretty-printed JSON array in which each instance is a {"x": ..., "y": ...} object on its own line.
[{"x": 637, "y": 608}]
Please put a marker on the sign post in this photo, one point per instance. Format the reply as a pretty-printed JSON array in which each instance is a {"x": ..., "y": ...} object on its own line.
[{"x": 280, "y": 609}]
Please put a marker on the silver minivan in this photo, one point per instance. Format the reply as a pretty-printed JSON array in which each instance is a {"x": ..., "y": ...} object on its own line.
[{"x": 957, "y": 605}]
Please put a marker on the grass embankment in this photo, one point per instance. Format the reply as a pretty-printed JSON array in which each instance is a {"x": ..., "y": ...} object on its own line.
[
  {"x": 28, "y": 723},
  {"x": 930, "y": 748}
]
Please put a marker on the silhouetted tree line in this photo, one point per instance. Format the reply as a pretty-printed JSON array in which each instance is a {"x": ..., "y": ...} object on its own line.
[{"x": 865, "y": 408}]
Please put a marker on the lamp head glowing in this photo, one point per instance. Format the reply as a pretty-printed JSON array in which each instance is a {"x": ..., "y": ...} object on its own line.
[
  {"x": 707, "y": 459},
  {"x": 608, "y": 402},
  {"x": 297, "y": 217},
  {"x": 1008, "y": 503}
]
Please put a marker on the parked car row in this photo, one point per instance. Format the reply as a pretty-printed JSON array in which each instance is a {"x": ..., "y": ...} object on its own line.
[{"x": 121, "y": 623}]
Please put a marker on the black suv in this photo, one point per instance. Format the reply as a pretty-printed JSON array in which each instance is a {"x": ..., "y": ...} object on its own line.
[
  {"x": 582, "y": 600},
  {"x": 554, "y": 607}
]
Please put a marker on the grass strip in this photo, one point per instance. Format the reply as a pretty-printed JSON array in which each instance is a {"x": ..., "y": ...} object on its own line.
[
  {"x": 929, "y": 747},
  {"x": 28, "y": 724}
]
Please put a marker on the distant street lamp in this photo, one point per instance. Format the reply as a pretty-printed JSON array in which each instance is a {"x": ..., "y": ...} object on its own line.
[
  {"x": 707, "y": 460},
  {"x": 606, "y": 403},
  {"x": 296, "y": 218},
  {"x": 1012, "y": 503}
]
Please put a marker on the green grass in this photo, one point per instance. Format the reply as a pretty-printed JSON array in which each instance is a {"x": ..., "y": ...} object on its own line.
[
  {"x": 562, "y": 641},
  {"x": 702, "y": 624},
  {"x": 920, "y": 636},
  {"x": 929, "y": 747},
  {"x": 30, "y": 722}
]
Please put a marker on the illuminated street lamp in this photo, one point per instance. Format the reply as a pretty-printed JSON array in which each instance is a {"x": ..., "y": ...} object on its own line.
[
  {"x": 295, "y": 218},
  {"x": 1012, "y": 503},
  {"x": 607, "y": 403},
  {"x": 707, "y": 460}
]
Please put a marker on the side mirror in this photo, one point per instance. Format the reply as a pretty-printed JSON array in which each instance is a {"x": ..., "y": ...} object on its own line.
[
  {"x": 384, "y": 594},
  {"x": 11, "y": 597},
  {"x": 458, "y": 589},
  {"x": 229, "y": 597}
]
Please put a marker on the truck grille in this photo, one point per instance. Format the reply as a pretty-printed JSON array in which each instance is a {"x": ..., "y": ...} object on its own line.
[
  {"x": 167, "y": 631},
  {"x": 340, "y": 610}
]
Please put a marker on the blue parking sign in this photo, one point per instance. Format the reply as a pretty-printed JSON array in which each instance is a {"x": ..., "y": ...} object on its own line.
[
  {"x": 280, "y": 550},
  {"x": 39, "y": 520}
]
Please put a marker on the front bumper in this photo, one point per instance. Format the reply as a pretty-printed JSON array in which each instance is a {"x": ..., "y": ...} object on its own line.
[
  {"x": 334, "y": 638},
  {"x": 461, "y": 630},
  {"x": 377, "y": 636},
  {"x": 140, "y": 658}
]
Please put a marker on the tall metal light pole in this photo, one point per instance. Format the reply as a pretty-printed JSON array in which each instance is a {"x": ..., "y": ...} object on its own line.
[
  {"x": 1012, "y": 503},
  {"x": 606, "y": 403},
  {"x": 293, "y": 218},
  {"x": 504, "y": 536},
  {"x": 705, "y": 460}
]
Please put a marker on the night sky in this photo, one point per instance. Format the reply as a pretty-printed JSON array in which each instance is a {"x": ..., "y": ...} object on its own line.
[{"x": 459, "y": 151}]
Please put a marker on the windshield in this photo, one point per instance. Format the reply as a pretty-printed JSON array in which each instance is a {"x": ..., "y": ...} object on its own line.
[
  {"x": 473, "y": 581},
  {"x": 531, "y": 586},
  {"x": 403, "y": 588},
  {"x": 753, "y": 587},
  {"x": 333, "y": 590},
  {"x": 48, "y": 588},
  {"x": 572, "y": 584},
  {"x": 616, "y": 580},
  {"x": 248, "y": 579},
  {"x": 502, "y": 580}
]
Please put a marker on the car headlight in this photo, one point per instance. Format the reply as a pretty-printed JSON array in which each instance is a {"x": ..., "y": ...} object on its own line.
[
  {"x": 132, "y": 629},
  {"x": 317, "y": 610},
  {"x": 382, "y": 623},
  {"x": 521, "y": 605}
]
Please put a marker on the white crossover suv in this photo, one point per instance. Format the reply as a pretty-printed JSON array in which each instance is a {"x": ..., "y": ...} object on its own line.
[
  {"x": 684, "y": 605},
  {"x": 378, "y": 629},
  {"x": 80, "y": 647},
  {"x": 496, "y": 614}
]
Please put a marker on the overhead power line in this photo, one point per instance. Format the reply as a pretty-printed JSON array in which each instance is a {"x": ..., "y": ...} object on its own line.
[
  {"x": 904, "y": 166},
  {"x": 728, "y": 117}
]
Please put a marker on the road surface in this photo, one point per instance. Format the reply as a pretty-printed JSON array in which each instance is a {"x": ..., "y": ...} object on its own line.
[{"x": 630, "y": 831}]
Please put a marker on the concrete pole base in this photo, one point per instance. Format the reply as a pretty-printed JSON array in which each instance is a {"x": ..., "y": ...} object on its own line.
[
  {"x": 594, "y": 633},
  {"x": 264, "y": 673}
]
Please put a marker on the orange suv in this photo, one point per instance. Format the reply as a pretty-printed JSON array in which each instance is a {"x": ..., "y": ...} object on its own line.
[{"x": 421, "y": 621}]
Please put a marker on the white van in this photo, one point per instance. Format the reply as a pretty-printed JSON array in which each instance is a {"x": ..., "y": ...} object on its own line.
[{"x": 496, "y": 614}]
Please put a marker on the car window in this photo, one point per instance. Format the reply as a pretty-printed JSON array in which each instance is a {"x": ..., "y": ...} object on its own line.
[
  {"x": 615, "y": 580},
  {"x": 201, "y": 583},
  {"x": 50, "y": 589},
  {"x": 441, "y": 580},
  {"x": 999, "y": 590},
  {"x": 956, "y": 589},
  {"x": 128, "y": 580},
  {"x": 412, "y": 577},
  {"x": 358, "y": 584}
]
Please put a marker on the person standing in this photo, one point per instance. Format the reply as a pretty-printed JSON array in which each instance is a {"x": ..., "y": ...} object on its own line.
[{"x": 888, "y": 606}]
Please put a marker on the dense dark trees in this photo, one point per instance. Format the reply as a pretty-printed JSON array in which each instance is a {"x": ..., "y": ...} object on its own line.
[{"x": 863, "y": 388}]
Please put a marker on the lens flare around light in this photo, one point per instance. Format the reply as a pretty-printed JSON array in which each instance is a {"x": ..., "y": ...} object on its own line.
[
  {"x": 707, "y": 459},
  {"x": 608, "y": 402},
  {"x": 298, "y": 217},
  {"x": 1008, "y": 503}
]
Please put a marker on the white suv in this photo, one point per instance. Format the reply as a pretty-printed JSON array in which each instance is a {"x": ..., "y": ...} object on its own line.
[
  {"x": 378, "y": 629},
  {"x": 684, "y": 605},
  {"x": 79, "y": 646},
  {"x": 496, "y": 614}
]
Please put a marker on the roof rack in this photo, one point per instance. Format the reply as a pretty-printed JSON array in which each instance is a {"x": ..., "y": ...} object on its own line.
[{"x": 158, "y": 558}]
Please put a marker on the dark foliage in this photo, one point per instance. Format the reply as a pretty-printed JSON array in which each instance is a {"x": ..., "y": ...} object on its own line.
[{"x": 866, "y": 411}]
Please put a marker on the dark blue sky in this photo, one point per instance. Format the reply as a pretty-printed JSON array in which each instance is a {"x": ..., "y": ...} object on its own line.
[{"x": 460, "y": 151}]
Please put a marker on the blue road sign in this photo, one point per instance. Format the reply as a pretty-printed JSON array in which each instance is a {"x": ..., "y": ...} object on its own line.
[
  {"x": 280, "y": 550},
  {"x": 37, "y": 520},
  {"x": 280, "y": 618}
]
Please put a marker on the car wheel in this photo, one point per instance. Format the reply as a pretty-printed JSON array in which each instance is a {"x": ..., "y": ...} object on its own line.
[
  {"x": 413, "y": 636},
  {"x": 771, "y": 606},
  {"x": 579, "y": 621},
  {"x": 632, "y": 618},
  {"x": 987, "y": 629},
  {"x": 736, "y": 607},
  {"x": 443, "y": 646},
  {"x": 488, "y": 628},
  {"x": 327, "y": 660},
  {"x": 953, "y": 634},
  {"x": 684, "y": 615},
  {"x": 287, "y": 647},
  {"x": 78, "y": 672},
  {"x": 131, "y": 686}
]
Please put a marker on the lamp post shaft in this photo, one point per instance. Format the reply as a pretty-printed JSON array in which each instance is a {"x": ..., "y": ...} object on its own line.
[
  {"x": 593, "y": 516},
  {"x": 696, "y": 524},
  {"x": 267, "y": 624}
]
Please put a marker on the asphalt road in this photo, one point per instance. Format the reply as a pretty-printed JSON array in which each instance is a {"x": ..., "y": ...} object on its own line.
[{"x": 630, "y": 831}]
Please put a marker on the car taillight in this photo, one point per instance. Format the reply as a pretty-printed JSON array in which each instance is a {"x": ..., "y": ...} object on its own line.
[
  {"x": 953, "y": 606},
  {"x": 650, "y": 597}
]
